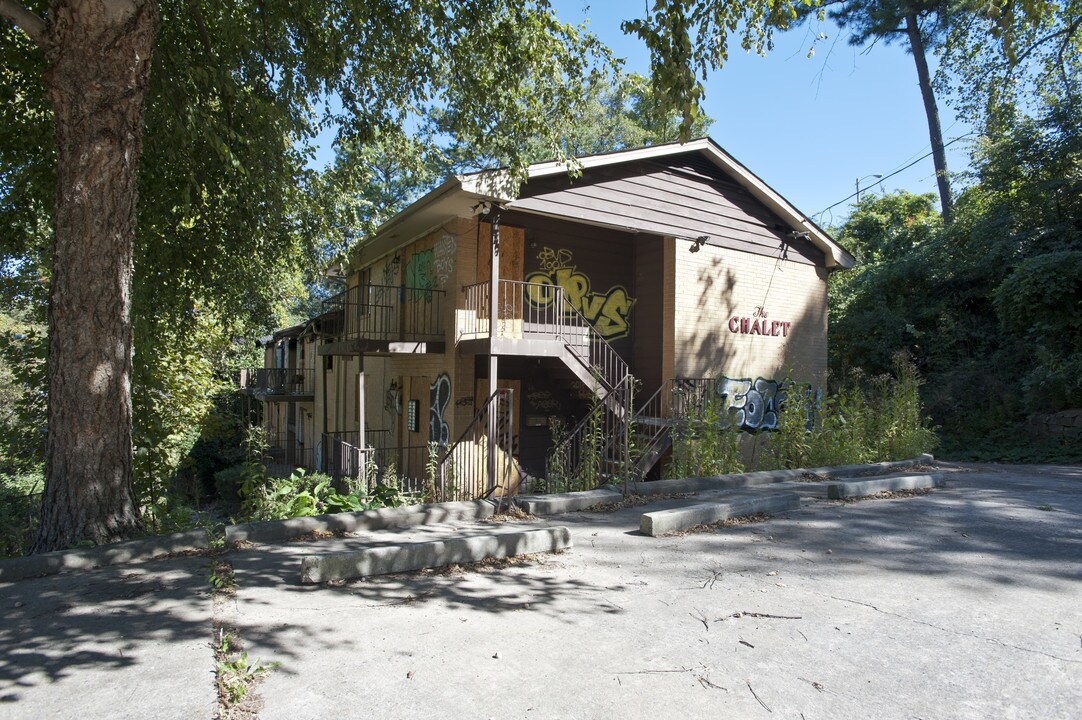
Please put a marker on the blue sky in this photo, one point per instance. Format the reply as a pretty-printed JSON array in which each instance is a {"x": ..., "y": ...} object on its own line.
[{"x": 809, "y": 127}]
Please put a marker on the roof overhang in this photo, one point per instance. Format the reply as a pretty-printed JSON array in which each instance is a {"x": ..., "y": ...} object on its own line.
[{"x": 464, "y": 196}]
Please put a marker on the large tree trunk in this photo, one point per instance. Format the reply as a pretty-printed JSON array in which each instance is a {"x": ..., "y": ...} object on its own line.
[
  {"x": 931, "y": 110},
  {"x": 99, "y": 66}
]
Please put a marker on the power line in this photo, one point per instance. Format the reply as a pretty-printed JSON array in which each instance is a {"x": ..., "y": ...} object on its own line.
[{"x": 889, "y": 176}]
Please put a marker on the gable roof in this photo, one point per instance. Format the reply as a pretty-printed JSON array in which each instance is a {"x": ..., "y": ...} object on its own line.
[{"x": 460, "y": 196}]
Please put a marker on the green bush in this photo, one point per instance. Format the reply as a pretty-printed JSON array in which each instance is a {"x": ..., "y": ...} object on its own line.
[
  {"x": 705, "y": 443},
  {"x": 302, "y": 494},
  {"x": 227, "y": 485},
  {"x": 20, "y": 508}
]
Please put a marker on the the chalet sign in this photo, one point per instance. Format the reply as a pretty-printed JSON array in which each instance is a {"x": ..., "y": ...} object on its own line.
[{"x": 759, "y": 324}]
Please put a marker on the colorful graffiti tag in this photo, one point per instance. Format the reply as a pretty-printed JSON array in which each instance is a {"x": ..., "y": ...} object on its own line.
[
  {"x": 753, "y": 405},
  {"x": 608, "y": 312},
  {"x": 430, "y": 269},
  {"x": 421, "y": 276},
  {"x": 440, "y": 398}
]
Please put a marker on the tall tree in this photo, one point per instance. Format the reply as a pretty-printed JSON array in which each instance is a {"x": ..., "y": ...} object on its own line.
[
  {"x": 921, "y": 25},
  {"x": 687, "y": 39},
  {"x": 98, "y": 58},
  {"x": 93, "y": 58}
]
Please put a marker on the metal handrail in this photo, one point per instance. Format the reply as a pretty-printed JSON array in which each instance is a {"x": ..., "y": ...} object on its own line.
[
  {"x": 388, "y": 313},
  {"x": 580, "y": 465},
  {"x": 280, "y": 381},
  {"x": 463, "y": 469}
]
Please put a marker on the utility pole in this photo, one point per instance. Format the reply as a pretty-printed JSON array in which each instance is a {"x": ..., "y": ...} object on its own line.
[{"x": 864, "y": 178}]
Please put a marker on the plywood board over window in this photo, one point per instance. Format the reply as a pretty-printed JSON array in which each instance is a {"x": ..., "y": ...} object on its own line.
[
  {"x": 512, "y": 267},
  {"x": 414, "y": 444}
]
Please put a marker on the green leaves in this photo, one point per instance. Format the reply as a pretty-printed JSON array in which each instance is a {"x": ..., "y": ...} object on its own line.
[{"x": 689, "y": 38}]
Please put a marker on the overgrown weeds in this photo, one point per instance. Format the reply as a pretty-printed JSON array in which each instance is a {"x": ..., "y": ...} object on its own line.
[
  {"x": 864, "y": 420},
  {"x": 236, "y": 676}
]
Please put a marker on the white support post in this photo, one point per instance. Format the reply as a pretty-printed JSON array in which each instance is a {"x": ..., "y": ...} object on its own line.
[
  {"x": 493, "y": 359},
  {"x": 363, "y": 457}
]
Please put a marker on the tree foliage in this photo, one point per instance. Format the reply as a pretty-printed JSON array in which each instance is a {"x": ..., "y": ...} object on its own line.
[
  {"x": 988, "y": 306},
  {"x": 688, "y": 39},
  {"x": 227, "y": 205}
]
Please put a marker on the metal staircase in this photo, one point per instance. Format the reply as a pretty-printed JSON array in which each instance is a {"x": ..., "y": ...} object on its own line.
[{"x": 661, "y": 415}]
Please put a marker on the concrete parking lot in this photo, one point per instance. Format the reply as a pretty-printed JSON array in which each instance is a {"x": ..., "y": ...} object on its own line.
[{"x": 965, "y": 602}]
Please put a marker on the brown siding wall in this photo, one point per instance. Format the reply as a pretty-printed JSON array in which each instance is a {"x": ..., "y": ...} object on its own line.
[
  {"x": 685, "y": 196},
  {"x": 649, "y": 308}
]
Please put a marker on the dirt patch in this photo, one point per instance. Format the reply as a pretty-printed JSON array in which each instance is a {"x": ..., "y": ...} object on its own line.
[
  {"x": 879, "y": 472},
  {"x": 886, "y": 495},
  {"x": 489, "y": 565},
  {"x": 810, "y": 477},
  {"x": 731, "y": 522},
  {"x": 510, "y": 515},
  {"x": 635, "y": 501},
  {"x": 236, "y": 676},
  {"x": 317, "y": 535}
]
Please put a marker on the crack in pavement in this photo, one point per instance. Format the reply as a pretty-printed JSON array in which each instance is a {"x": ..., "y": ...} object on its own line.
[{"x": 975, "y": 636}]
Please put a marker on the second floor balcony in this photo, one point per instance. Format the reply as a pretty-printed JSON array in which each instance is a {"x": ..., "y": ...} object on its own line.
[
  {"x": 279, "y": 383},
  {"x": 384, "y": 318}
]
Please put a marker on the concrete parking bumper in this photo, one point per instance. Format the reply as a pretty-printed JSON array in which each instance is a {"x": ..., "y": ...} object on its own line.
[
  {"x": 864, "y": 488},
  {"x": 765, "y": 477},
  {"x": 89, "y": 558},
  {"x": 274, "y": 531},
  {"x": 385, "y": 559},
  {"x": 682, "y": 518},
  {"x": 568, "y": 502}
]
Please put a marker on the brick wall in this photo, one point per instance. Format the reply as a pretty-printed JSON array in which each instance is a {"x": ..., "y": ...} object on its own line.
[{"x": 714, "y": 285}]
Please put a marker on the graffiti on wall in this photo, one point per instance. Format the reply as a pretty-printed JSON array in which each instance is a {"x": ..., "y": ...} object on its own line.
[
  {"x": 421, "y": 275},
  {"x": 385, "y": 293},
  {"x": 753, "y": 405},
  {"x": 440, "y": 398},
  {"x": 391, "y": 270},
  {"x": 443, "y": 262},
  {"x": 542, "y": 401},
  {"x": 430, "y": 269},
  {"x": 609, "y": 312},
  {"x": 392, "y": 398}
]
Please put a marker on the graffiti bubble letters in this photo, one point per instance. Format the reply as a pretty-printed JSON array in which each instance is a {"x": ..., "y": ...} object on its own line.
[
  {"x": 754, "y": 405},
  {"x": 759, "y": 325},
  {"x": 608, "y": 312},
  {"x": 440, "y": 397}
]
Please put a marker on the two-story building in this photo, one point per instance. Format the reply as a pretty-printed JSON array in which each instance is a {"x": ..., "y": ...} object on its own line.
[{"x": 673, "y": 265}]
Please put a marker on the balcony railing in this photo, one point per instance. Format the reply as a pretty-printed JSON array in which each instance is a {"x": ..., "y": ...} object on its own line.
[
  {"x": 378, "y": 463},
  {"x": 279, "y": 381},
  {"x": 283, "y": 454},
  {"x": 523, "y": 310},
  {"x": 388, "y": 313}
]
